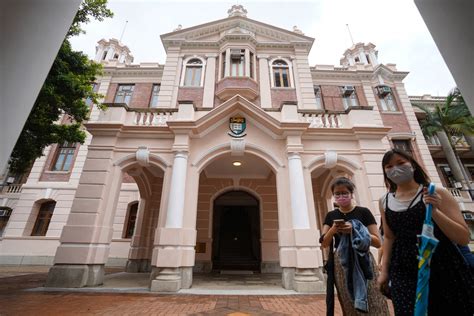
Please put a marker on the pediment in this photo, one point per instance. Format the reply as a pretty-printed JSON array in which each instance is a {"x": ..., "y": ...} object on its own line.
[
  {"x": 216, "y": 30},
  {"x": 241, "y": 106}
]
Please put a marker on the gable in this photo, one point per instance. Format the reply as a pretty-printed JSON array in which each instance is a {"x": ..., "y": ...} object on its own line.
[{"x": 217, "y": 30}]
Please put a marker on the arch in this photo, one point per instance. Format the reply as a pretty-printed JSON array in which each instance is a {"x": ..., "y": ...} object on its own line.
[
  {"x": 131, "y": 159},
  {"x": 40, "y": 218},
  {"x": 207, "y": 157},
  {"x": 320, "y": 161}
]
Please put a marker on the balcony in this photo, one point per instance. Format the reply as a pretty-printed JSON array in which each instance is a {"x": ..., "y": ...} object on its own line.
[{"x": 230, "y": 86}]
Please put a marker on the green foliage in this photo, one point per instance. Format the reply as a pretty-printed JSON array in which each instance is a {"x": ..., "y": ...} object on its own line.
[
  {"x": 452, "y": 117},
  {"x": 96, "y": 9},
  {"x": 67, "y": 86}
]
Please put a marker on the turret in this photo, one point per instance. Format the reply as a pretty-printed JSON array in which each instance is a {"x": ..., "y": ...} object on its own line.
[
  {"x": 112, "y": 50},
  {"x": 360, "y": 53}
]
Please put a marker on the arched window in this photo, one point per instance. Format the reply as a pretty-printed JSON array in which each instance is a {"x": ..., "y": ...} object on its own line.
[
  {"x": 43, "y": 219},
  {"x": 129, "y": 227},
  {"x": 192, "y": 76},
  {"x": 280, "y": 73}
]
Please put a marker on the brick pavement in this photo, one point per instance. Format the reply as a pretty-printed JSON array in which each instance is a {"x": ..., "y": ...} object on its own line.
[{"x": 15, "y": 301}]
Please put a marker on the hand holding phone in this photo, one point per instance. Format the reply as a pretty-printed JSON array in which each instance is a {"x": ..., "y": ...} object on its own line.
[{"x": 339, "y": 222}]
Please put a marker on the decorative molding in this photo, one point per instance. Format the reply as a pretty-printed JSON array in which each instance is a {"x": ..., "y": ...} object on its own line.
[
  {"x": 143, "y": 156},
  {"x": 330, "y": 159},
  {"x": 237, "y": 146}
]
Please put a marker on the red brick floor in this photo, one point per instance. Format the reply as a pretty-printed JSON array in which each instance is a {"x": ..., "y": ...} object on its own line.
[{"x": 15, "y": 301}]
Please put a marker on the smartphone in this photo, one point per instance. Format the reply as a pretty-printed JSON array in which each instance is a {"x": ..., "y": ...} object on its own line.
[{"x": 339, "y": 221}]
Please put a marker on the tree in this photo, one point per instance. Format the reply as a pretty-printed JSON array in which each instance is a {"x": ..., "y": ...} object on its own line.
[
  {"x": 450, "y": 122},
  {"x": 67, "y": 86}
]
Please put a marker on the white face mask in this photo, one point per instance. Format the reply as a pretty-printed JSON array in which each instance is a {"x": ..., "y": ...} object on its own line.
[{"x": 400, "y": 174}]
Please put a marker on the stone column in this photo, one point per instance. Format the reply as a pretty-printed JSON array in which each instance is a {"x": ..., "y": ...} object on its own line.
[
  {"x": 264, "y": 75},
  {"x": 247, "y": 62},
  {"x": 227, "y": 63},
  {"x": 209, "y": 81},
  {"x": 174, "y": 213},
  {"x": 173, "y": 252},
  {"x": 299, "y": 207},
  {"x": 85, "y": 240}
]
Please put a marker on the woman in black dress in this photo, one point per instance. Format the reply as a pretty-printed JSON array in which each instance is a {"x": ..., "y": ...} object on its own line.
[{"x": 403, "y": 212}]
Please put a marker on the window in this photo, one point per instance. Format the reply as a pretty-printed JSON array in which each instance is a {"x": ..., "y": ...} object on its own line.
[
  {"x": 44, "y": 218},
  {"x": 192, "y": 76},
  {"x": 237, "y": 62},
  {"x": 388, "y": 103},
  {"x": 64, "y": 157},
  {"x": 131, "y": 219},
  {"x": 95, "y": 87},
  {"x": 368, "y": 58},
  {"x": 448, "y": 176},
  {"x": 402, "y": 144},
  {"x": 280, "y": 73},
  {"x": 349, "y": 97},
  {"x": 105, "y": 54},
  {"x": 154, "y": 95},
  {"x": 124, "y": 93},
  {"x": 317, "y": 95},
  {"x": 5, "y": 213}
]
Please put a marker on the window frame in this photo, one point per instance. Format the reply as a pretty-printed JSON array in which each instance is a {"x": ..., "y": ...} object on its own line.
[
  {"x": 154, "y": 95},
  {"x": 318, "y": 95},
  {"x": 349, "y": 101},
  {"x": 280, "y": 69},
  {"x": 122, "y": 95},
  {"x": 69, "y": 153},
  {"x": 405, "y": 141},
  {"x": 43, "y": 219},
  {"x": 194, "y": 68},
  {"x": 385, "y": 106}
]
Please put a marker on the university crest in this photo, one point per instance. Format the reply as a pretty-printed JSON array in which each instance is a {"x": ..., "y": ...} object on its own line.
[{"x": 237, "y": 127}]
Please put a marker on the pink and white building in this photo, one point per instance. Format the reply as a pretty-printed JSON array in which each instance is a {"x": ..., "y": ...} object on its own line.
[{"x": 220, "y": 158}]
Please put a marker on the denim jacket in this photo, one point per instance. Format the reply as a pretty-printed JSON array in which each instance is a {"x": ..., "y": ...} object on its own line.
[{"x": 353, "y": 251}]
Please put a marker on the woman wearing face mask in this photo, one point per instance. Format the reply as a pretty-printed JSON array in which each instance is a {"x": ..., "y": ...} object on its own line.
[
  {"x": 403, "y": 213},
  {"x": 337, "y": 224}
]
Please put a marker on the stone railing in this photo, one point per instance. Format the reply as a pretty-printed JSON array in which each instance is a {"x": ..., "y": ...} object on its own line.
[
  {"x": 12, "y": 189},
  {"x": 152, "y": 118},
  {"x": 455, "y": 192},
  {"x": 322, "y": 120}
]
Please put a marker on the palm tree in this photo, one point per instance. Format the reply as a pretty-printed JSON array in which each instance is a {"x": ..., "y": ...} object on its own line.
[{"x": 450, "y": 122}]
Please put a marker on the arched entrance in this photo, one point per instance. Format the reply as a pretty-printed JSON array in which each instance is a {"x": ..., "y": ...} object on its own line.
[{"x": 236, "y": 232}]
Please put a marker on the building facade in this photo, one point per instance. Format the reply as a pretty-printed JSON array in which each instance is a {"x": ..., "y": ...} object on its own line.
[{"x": 221, "y": 158}]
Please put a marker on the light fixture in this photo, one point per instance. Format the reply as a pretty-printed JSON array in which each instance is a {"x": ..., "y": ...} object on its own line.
[{"x": 237, "y": 163}]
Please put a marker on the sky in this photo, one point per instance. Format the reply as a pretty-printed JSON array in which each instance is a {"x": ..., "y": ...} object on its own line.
[{"x": 395, "y": 27}]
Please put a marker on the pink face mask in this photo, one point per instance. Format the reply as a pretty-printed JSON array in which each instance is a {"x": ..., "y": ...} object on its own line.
[{"x": 343, "y": 201}]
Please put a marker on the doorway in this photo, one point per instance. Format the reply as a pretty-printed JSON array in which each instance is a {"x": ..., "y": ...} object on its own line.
[{"x": 236, "y": 232}]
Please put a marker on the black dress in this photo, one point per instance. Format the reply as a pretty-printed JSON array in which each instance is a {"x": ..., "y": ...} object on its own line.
[{"x": 451, "y": 283}]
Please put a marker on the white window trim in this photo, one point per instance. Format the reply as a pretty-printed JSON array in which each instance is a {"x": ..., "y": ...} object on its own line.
[
  {"x": 183, "y": 70},
  {"x": 290, "y": 71}
]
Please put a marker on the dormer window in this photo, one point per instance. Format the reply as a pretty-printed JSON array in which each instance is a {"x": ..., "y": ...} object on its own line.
[
  {"x": 104, "y": 55},
  {"x": 193, "y": 73},
  {"x": 280, "y": 71},
  {"x": 116, "y": 56}
]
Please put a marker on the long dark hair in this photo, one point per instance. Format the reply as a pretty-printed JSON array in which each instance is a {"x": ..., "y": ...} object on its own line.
[{"x": 419, "y": 175}]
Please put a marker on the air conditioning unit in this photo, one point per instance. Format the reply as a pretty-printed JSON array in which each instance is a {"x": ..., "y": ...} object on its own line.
[
  {"x": 468, "y": 216},
  {"x": 235, "y": 54},
  {"x": 383, "y": 90},
  {"x": 347, "y": 90},
  {"x": 4, "y": 213}
]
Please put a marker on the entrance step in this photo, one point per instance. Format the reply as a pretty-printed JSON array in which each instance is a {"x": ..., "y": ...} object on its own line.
[{"x": 236, "y": 272}]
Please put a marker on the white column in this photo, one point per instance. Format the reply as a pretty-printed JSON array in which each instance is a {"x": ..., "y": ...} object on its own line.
[
  {"x": 247, "y": 62},
  {"x": 110, "y": 53},
  {"x": 265, "y": 92},
  {"x": 227, "y": 63},
  {"x": 299, "y": 207},
  {"x": 209, "y": 81},
  {"x": 174, "y": 214}
]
